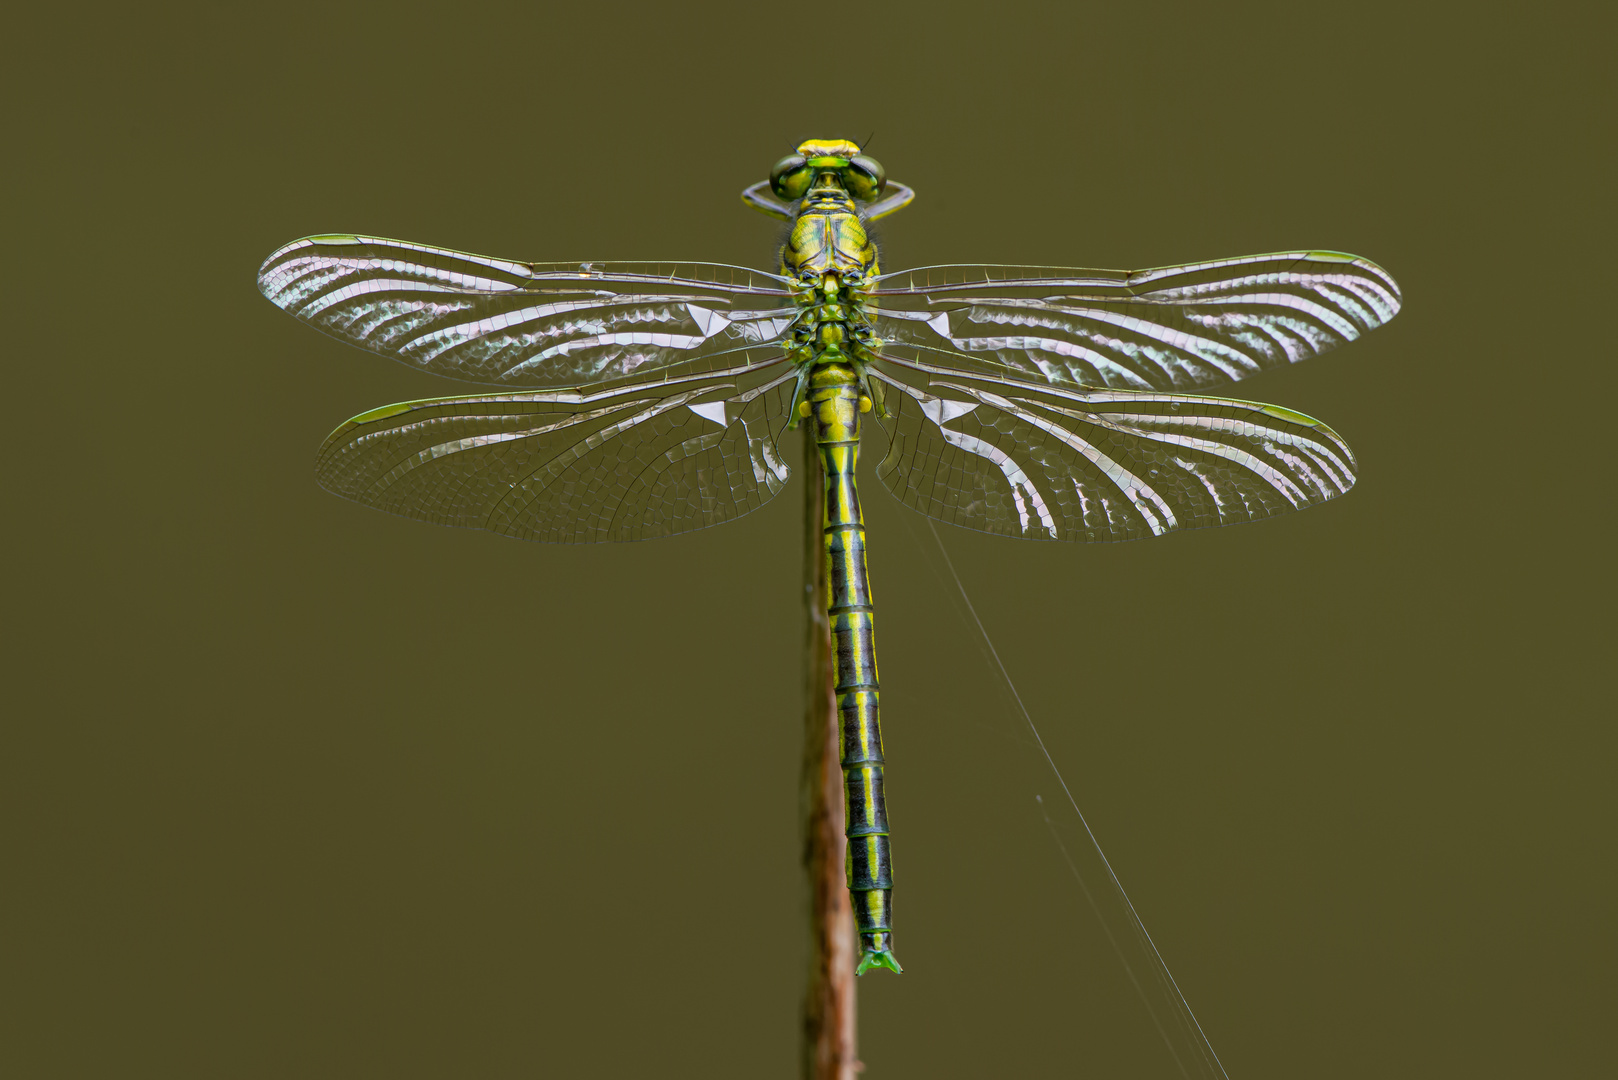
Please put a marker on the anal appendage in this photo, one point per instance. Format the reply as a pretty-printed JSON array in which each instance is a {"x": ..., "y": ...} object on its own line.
[{"x": 877, "y": 957}]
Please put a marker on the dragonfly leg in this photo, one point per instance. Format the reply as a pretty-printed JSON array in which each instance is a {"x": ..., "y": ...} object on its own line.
[
  {"x": 868, "y": 389},
  {"x": 800, "y": 399}
]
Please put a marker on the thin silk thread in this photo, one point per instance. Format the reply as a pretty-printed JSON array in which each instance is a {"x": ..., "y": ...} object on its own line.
[{"x": 1140, "y": 927}]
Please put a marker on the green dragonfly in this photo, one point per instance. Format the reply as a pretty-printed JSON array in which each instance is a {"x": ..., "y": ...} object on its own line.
[{"x": 647, "y": 399}]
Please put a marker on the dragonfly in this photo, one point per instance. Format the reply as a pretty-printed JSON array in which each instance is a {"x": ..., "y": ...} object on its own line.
[{"x": 639, "y": 400}]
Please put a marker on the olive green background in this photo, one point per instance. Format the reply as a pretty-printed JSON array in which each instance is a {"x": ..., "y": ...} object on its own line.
[{"x": 296, "y": 789}]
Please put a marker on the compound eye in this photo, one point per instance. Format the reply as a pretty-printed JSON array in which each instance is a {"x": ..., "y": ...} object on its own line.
[
  {"x": 791, "y": 177},
  {"x": 866, "y": 178}
]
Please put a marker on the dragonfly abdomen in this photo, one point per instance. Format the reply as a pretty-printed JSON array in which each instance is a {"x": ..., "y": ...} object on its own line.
[{"x": 835, "y": 403}]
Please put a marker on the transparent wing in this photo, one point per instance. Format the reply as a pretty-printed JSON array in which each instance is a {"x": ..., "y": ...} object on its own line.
[
  {"x": 1025, "y": 459},
  {"x": 525, "y": 324},
  {"x": 568, "y": 467},
  {"x": 1175, "y": 328}
]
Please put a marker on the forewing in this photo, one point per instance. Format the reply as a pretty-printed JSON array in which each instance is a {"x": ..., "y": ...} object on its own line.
[
  {"x": 1029, "y": 460},
  {"x": 569, "y": 467},
  {"x": 526, "y": 324},
  {"x": 1174, "y": 328}
]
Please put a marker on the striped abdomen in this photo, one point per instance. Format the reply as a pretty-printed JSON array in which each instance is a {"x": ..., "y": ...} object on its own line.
[{"x": 834, "y": 400}]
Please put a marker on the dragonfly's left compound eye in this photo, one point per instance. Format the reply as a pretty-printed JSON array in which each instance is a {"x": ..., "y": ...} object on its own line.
[
  {"x": 866, "y": 178},
  {"x": 791, "y": 177}
]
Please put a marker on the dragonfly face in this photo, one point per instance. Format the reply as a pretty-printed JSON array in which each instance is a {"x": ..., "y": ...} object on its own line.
[
  {"x": 861, "y": 175},
  {"x": 647, "y": 399}
]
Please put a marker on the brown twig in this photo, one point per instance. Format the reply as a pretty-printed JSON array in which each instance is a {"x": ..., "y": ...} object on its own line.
[{"x": 829, "y": 1051}]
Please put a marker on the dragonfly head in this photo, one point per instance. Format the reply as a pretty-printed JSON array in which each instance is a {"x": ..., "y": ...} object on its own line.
[{"x": 837, "y": 159}]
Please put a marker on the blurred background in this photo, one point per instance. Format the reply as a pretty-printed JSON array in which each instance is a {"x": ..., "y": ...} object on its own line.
[{"x": 298, "y": 789}]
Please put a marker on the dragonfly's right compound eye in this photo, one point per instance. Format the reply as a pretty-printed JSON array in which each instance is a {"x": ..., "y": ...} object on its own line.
[
  {"x": 791, "y": 177},
  {"x": 866, "y": 178}
]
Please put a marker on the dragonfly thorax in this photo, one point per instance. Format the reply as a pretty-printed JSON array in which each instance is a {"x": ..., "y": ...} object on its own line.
[
  {"x": 830, "y": 258},
  {"x": 828, "y": 237},
  {"x": 833, "y": 333}
]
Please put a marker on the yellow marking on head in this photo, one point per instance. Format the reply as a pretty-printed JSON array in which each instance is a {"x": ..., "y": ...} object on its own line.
[{"x": 828, "y": 148}]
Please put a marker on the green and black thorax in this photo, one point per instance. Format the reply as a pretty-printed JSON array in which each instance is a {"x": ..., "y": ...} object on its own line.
[{"x": 831, "y": 261}]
